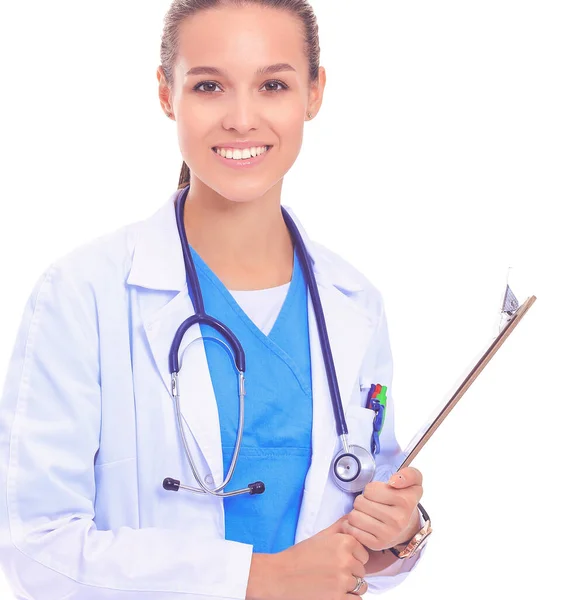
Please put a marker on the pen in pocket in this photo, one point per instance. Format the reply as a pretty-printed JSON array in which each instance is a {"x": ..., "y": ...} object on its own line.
[{"x": 377, "y": 401}]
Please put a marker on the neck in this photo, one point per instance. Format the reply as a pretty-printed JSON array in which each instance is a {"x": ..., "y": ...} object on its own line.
[{"x": 246, "y": 244}]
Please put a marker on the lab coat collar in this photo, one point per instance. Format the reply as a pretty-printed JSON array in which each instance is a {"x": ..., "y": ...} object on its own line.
[{"x": 158, "y": 263}]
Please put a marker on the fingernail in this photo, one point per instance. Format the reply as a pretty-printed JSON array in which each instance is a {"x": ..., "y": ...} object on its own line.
[{"x": 396, "y": 479}]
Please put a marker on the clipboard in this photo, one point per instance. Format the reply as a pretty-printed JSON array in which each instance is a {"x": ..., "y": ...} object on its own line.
[{"x": 425, "y": 433}]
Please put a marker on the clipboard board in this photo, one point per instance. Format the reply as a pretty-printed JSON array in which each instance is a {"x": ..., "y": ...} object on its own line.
[{"x": 425, "y": 433}]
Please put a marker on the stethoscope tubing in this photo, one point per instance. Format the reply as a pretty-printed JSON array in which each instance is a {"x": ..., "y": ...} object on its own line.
[
  {"x": 341, "y": 463},
  {"x": 197, "y": 299},
  {"x": 340, "y": 422}
]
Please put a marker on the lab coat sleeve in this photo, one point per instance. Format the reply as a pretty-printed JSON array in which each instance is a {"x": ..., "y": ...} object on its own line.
[
  {"x": 50, "y": 548},
  {"x": 378, "y": 368}
]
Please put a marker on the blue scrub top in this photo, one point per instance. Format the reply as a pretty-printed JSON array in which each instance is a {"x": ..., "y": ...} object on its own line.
[{"x": 276, "y": 443}]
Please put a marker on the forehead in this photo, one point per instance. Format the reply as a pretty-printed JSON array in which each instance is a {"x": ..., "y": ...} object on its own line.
[{"x": 241, "y": 38}]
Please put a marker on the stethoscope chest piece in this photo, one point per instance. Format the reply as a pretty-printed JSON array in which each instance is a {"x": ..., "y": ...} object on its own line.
[{"x": 353, "y": 470}]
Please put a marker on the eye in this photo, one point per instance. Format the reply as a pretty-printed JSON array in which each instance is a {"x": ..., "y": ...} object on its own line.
[
  {"x": 210, "y": 85},
  {"x": 202, "y": 83},
  {"x": 276, "y": 82}
]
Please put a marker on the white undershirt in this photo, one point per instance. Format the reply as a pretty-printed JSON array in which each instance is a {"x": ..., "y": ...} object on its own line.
[{"x": 262, "y": 306}]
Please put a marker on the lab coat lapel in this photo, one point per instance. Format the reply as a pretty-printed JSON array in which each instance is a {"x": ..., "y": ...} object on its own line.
[
  {"x": 198, "y": 404},
  {"x": 158, "y": 266},
  {"x": 349, "y": 331},
  {"x": 349, "y": 328}
]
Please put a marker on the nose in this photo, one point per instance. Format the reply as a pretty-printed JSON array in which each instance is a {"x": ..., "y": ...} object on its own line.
[{"x": 242, "y": 112}]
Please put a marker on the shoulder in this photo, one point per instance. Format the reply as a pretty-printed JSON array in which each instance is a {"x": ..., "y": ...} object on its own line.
[
  {"x": 349, "y": 280},
  {"x": 332, "y": 268},
  {"x": 98, "y": 265}
]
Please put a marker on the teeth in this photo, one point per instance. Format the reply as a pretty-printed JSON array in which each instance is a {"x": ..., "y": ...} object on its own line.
[{"x": 237, "y": 154}]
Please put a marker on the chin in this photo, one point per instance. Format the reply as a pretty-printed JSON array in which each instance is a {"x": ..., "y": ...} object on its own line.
[
  {"x": 238, "y": 198},
  {"x": 242, "y": 194}
]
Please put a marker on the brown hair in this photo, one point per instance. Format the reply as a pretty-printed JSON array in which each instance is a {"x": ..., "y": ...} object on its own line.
[{"x": 181, "y": 9}]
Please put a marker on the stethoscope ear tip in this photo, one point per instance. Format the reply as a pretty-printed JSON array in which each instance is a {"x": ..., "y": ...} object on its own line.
[
  {"x": 258, "y": 487},
  {"x": 172, "y": 485}
]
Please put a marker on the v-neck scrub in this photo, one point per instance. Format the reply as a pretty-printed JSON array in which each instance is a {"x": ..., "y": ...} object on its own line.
[{"x": 276, "y": 443}]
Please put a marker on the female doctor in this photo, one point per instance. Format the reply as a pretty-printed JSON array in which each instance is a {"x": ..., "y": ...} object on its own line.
[{"x": 120, "y": 416}]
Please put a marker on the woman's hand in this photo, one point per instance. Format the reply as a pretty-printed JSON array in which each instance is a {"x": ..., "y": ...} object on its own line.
[
  {"x": 386, "y": 514},
  {"x": 323, "y": 566}
]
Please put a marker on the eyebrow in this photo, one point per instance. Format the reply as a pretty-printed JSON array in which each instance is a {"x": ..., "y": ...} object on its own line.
[{"x": 276, "y": 68}]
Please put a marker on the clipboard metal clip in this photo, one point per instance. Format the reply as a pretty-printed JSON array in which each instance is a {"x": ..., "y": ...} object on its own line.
[{"x": 509, "y": 307}]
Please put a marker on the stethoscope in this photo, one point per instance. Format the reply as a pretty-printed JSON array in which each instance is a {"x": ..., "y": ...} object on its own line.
[{"x": 353, "y": 467}]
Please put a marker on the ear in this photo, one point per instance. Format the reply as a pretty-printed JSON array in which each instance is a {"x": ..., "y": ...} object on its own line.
[
  {"x": 315, "y": 97},
  {"x": 164, "y": 93}
]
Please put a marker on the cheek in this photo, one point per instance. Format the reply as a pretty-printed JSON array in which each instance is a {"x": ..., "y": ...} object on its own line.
[
  {"x": 191, "y": 135},
  {"x": 289, "y": 124},
  {"x": 289, "y": 128}
]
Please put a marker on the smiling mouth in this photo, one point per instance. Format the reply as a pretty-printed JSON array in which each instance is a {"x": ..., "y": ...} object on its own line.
[{"x": 241, "y": 154}]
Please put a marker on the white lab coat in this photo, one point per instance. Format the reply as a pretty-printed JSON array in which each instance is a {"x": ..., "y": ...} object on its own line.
[{"x": 88, "y": 429}]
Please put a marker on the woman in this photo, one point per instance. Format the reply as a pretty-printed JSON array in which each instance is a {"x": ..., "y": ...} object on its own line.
[{"x": 88, "y": 430}]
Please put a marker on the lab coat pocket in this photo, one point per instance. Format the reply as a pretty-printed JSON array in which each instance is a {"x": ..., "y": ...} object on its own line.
[{"x": 360, "y": 425}]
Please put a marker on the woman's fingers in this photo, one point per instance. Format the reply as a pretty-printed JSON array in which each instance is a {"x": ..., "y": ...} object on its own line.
[{"x": 360, "y": 553}]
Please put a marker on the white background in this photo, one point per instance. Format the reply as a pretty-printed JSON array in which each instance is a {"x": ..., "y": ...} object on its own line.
[{"x": 443, "y": 154}]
